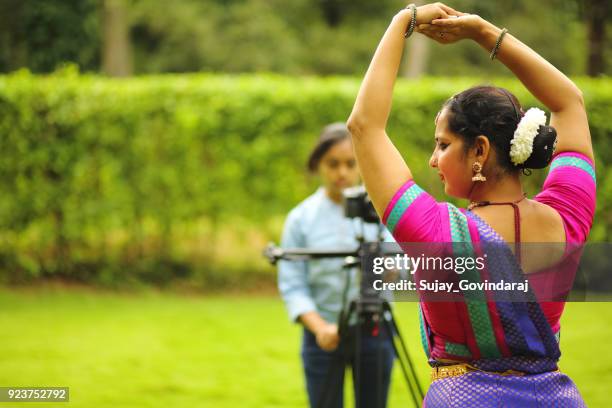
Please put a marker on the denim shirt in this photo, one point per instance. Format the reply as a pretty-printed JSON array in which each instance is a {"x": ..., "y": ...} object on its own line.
[{"x": 318, "y": 285}]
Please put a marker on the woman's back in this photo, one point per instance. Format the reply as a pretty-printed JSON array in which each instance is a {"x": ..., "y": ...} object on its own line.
[{"x": 539, "y": 223}]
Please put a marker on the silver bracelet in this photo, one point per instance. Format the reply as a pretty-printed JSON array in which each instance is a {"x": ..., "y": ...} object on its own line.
[
  {"x": 412, "y": 24},
  {"x": 498, "y": 43}
]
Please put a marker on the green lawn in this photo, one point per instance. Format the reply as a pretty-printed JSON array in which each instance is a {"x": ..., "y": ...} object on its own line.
[{"x": 166, "y": 350}]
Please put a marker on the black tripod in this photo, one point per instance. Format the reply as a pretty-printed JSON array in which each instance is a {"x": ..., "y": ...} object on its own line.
[{"x": 371, "y": 311}]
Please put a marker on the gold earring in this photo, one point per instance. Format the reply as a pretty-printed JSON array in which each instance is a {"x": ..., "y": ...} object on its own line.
[{"x": 477, "y": 169}]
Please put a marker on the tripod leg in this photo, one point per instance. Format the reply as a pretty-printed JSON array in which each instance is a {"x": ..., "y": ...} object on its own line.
[
  {"x": 404, "y": 358},
  {"x": 408, "y": 359},
  {"x": 357, "y": 365},
  {"x": 379, "y": 368},
  {"x": 402, "y": 363},
  {"x": 377, "y": 357}
]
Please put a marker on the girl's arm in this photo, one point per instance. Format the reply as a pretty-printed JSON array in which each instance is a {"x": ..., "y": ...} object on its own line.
[
  {"x": 549, "y": 85},
  {"x": 382, "y": 167},
  {"x": 295, "y": 290}
]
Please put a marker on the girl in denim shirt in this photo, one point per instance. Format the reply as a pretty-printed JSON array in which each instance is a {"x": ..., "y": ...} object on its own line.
[{"x": 313, "y": 290}]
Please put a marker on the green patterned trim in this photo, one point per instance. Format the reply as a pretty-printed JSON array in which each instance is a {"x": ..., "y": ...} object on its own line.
[
  {"x": 575, "y": 162},
  {"x": 558, "y": 336},
  {"x": 459, "y": 226},
  {"x": 423, "y": 330},
  {"x": 402, "y": 205},
  {"x": 476, "y": 301},
  {"x": 457, "y": 349}
]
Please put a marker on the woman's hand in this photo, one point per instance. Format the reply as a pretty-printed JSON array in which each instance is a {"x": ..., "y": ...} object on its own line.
[
  {"x": 425, "y": 14},
  {"x": 549, "y": 85},
  {"x": 327, "y": 337},
  {"x": 453, "y": 28}
]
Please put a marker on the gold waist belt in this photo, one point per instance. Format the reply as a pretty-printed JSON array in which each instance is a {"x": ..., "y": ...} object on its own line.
[{"x": 456, "y": 370}]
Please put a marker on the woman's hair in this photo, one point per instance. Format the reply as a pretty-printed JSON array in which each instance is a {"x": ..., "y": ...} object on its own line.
[
  {"x": 331, "y": 134},
  {"x": 495, "y": 113}
]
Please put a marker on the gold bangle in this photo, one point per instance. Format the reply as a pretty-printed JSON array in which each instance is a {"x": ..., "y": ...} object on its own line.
[
  {"x": 412, "y": 24},
  {"x": 498, "y": 43}
]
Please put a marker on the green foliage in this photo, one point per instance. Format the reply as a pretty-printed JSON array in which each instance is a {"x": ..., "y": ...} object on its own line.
[
  {"x": 336, "y": 37},
  {"x": 43, "y": 35},
  {"x": 188, "y": 176},
  {"x": 324, "y": 37},
  {"x": 258, "y": 35}
]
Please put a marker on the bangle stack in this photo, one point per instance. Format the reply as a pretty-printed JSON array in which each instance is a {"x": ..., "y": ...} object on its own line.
[
  {"x": 412, "y": 24},
  {"x": 498, "y": 43}
]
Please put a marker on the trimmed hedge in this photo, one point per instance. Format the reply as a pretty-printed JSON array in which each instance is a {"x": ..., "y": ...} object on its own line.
[{"x": 153, "y": 178}]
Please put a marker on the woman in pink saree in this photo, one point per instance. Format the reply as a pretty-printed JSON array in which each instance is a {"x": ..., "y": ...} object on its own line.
[{"x": 484, "y": 352}]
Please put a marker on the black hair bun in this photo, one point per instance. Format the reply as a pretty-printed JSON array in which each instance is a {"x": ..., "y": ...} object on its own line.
[{"x": 543, "y": 148}]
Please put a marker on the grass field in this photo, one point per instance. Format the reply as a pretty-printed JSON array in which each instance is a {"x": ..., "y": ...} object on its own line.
[{"x": 151, "y": 349}]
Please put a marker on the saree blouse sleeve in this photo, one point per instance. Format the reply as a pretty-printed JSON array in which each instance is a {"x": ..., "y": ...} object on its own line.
[
  {"x": 570, "y": 189},
  {"x": 413, "y": 215}
]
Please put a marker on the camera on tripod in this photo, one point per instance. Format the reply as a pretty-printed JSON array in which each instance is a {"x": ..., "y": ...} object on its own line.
[
  {"x": 357, "y": 204},
  {"x": 370, "y": 309}
]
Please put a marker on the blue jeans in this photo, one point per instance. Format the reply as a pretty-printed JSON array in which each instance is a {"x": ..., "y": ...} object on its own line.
[{"x": 374, "y": 371}]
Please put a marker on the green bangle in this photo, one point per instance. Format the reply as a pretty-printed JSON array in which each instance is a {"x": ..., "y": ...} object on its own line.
[
  {"x": 498, "y": 43},
  {"x": 412, "y": 24}
]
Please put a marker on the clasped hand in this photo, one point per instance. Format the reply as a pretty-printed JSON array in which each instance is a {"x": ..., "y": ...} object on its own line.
[{"x": 445, "y": 24}]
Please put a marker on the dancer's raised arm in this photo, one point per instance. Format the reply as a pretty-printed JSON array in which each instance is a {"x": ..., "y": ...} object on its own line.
[
  {"x": 382, "y": 167},
  {"x": 553, "y": 88}
]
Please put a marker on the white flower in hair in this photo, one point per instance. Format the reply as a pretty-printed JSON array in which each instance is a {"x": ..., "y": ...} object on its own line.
[{"x": 521, "y": 144}]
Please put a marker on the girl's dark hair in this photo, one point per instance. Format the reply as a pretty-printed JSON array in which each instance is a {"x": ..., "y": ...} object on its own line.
[
  {"x": 495, "y": 113},
  {"x": 331, "y": 134}
]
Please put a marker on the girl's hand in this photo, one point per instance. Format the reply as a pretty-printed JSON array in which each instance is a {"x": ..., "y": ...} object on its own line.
[
  {"x": 452, "y": 29},
  {"x": 427, "y": 13},
  {"x": 327, "y": 337}
]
